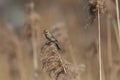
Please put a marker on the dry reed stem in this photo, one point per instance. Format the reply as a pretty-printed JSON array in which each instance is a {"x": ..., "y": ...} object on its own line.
[
  {"x": 32, "y": 24},
  {"x": 99, "y": 48},
  {"x": 116, "y": 32},
  {"x": 118, "y": 17},
  {"x": 109, "y": 44},
  {"x": 109, "y": 47},
  {"x": 118, "y": 20}
]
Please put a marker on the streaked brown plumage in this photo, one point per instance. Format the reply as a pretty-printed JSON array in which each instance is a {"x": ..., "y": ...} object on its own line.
[{"x": 51, "y": 38}]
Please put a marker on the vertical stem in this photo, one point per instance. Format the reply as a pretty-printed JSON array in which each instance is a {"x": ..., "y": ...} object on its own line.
[
  {"x": 109, "y": 47},
  {"x": 35, "y": 60},
  {"x": 116, "y": 32},
  {"x": 34, "y": 39},
  {"x": 99, "y": 47},
  {"x": 118, "y": 20}
]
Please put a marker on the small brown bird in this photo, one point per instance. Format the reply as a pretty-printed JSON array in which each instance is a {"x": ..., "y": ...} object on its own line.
[{"x": 51, "y": 38}]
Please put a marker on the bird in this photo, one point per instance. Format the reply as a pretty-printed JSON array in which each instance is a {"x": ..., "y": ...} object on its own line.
[{"x": 49, "y": 36}]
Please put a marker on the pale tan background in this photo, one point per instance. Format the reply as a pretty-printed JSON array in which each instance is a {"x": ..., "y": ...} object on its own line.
[{"x": 16, "y": 63}]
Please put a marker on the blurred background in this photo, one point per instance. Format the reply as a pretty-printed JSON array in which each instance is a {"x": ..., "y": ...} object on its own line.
[{"x": 69, "y": 21}]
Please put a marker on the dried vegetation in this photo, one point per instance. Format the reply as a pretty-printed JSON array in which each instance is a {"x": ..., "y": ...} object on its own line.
[{"x": 22, "y": 55}]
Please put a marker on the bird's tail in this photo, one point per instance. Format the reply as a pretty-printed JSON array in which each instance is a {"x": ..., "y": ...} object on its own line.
[{"x": 59, "y": 47}]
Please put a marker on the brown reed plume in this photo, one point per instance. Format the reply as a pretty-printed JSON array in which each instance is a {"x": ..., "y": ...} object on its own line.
[
  {"x": 57, "y": 67},
  {"x": 11, "y": 46},
  {"x": 94, "y": 5},
  {"x": 8, "y": 48}
]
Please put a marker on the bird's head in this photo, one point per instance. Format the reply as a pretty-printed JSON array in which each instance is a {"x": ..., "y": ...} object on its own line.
[{"x": 46, "y": 31}]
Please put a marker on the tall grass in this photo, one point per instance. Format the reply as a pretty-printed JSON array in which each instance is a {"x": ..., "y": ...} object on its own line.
[{"x": 24, "y": 50}]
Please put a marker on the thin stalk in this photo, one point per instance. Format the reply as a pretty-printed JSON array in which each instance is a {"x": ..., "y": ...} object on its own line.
[
  {"x": 109, "y": 46},
  {"x": 35, "y": 60},
  {"x": 99, "y": 47},
  {"x": 116, "y": 32},
  {"x": 118, "y": 17},
  {"x": 34, "y": 42}
]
